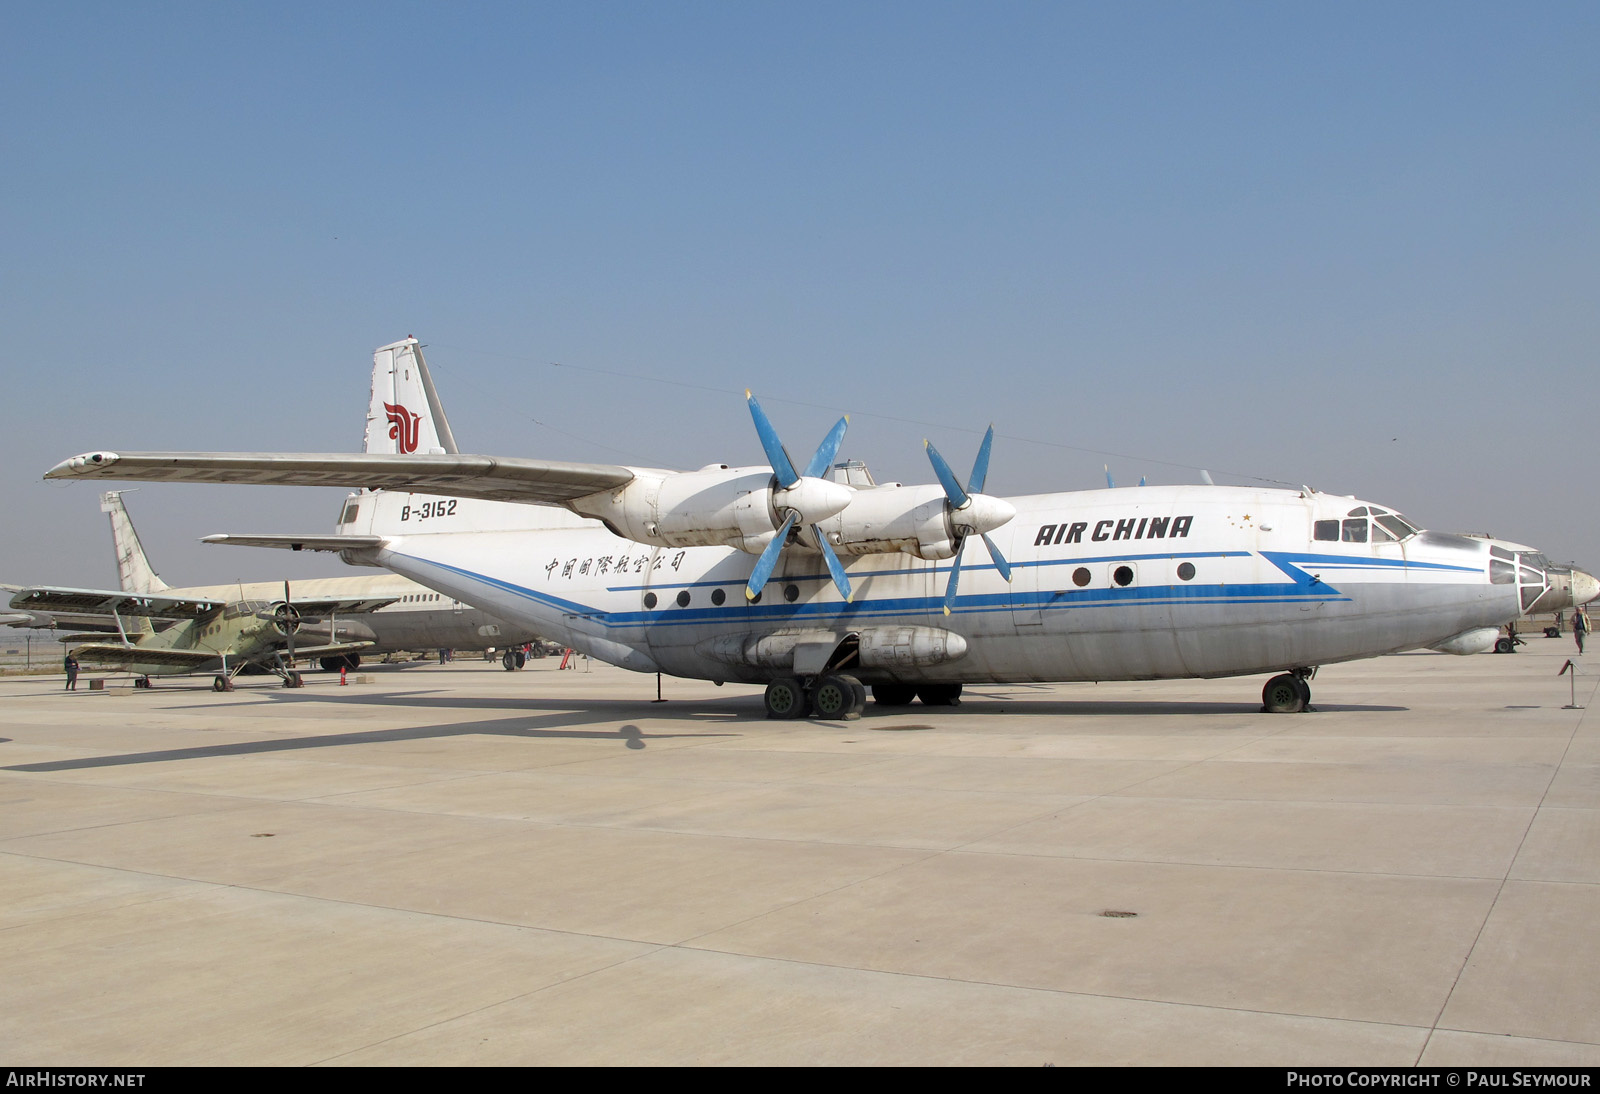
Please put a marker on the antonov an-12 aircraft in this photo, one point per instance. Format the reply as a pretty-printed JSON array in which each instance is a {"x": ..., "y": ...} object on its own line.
[{"x": 817, "y": 582}]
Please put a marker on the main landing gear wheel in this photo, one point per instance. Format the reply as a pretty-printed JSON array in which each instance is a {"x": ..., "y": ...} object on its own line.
[
  {"x": 939, "y": 695},
  {"x": 893, "y": 695},
  {"x": 837, "y": 697},
  {"x": 293, "y": 680},
  {"x": 1285, "y": 694},
  {"x": 785, "y": 698},
  {"x": 514, "y": 660},
  {"x": 221, "y": 683},
  {"x": 142, "y": 682}
]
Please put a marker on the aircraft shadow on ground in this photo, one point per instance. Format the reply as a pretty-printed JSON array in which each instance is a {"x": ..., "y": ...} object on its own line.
[
  {"x": 629, "y": 735},
  {"x": 748, "y": 708},
  {"x": 1148, "y": 708},
  {"x": 733, "y": 710}
]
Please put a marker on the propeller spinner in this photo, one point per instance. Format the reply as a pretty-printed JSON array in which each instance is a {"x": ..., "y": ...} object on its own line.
[
  {"x": 971, "y": 511},
  {"x": 801, "y": 499}
]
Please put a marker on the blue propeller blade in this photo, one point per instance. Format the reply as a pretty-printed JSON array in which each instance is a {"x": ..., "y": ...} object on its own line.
[
  {"x": 768, "y": 559},
  {"x": 776, "y": 456},
  {"x": 955, "y": 576},
  {"x": 827, "y": 450},
  {"x": 840, "y": 580},
  {"x": 1109, "y": 483},
  {"x": 980, "y": 466},
  {"x": 947, "y": 477},
  {"x": 1000, "y": 562}
]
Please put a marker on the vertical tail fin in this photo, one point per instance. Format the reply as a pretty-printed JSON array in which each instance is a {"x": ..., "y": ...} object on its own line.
[
  {"x": 405, "y": 414},
  {"x": 134, "y": 571}
]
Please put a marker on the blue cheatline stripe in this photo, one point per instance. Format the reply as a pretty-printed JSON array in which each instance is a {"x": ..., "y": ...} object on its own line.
[{"x": 838, "y": 612}]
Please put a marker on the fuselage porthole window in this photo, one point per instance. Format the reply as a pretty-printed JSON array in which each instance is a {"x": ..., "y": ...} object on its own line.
[
  {"x": 683, "y": 599},
  {"x": 1123, "y": 576},
  {"x": 649, "y": 600},
  {"x": 718, "y": 596},
  {"x": 1186, "y": 571},
  {"x": 1081, "y": 576}
]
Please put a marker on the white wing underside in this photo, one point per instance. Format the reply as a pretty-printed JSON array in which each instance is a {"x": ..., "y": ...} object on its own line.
[{"x": 493, "y": 478}]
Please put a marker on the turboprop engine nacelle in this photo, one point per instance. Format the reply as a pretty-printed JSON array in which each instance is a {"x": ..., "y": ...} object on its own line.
[
  {"x": 915, "y": 519},
  {"x": 716, "y": 506}
]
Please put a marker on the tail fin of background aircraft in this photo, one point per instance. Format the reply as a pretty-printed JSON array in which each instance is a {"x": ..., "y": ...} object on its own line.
[
  {"x": 134, "y": 571},
  {"x": 405, "y": 415}
]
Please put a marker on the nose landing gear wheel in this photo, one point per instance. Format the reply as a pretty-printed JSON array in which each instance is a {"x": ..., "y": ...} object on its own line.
[{"x": 1285, "y": 694}]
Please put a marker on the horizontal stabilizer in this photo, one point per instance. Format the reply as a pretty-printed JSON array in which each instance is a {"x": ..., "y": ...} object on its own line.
[
  {"x": 288, "y": 541},
  {"x": 493, "y": 478}
]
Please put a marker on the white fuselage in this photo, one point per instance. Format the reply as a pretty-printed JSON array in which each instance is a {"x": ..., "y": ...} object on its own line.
[{"x": 1136, "y": 583}]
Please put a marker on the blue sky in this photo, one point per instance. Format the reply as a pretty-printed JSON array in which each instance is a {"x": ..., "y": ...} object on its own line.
[{"x": 1352, "y": 245}]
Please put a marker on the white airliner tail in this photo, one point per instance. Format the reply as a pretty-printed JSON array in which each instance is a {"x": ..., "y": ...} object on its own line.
[
  {"x": 134, "y": 572},
  {"x": 404, "y": 415}
]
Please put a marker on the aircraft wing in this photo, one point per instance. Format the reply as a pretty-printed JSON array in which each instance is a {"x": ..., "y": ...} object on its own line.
[
  {"x": 50, "y": 598},
  {"x": 109, "y": 654},
  {"x": 334, "y": 650},
  {"x": 494, "y": 478},
  {"x": 316, "y": 609},
  {"x": 293, "y": 542}
]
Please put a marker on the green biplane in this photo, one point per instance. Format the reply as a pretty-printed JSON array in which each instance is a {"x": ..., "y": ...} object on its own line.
[{"x": 224, "y": 637}]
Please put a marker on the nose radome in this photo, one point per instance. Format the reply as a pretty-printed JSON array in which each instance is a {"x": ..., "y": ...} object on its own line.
[{"x": 1585, "y": 587}]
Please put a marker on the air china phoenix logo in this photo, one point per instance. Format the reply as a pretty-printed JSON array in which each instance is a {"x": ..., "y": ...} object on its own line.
[{"x": 402, "y": 427}]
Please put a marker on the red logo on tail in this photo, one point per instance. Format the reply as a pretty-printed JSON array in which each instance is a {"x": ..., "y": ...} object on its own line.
[{"x": 402, "y": 427}]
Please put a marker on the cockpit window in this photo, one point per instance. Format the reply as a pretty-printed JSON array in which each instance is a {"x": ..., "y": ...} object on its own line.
[
  {"x": 1365, "y": 523},
  {"x": 1398, "y": 526}
]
